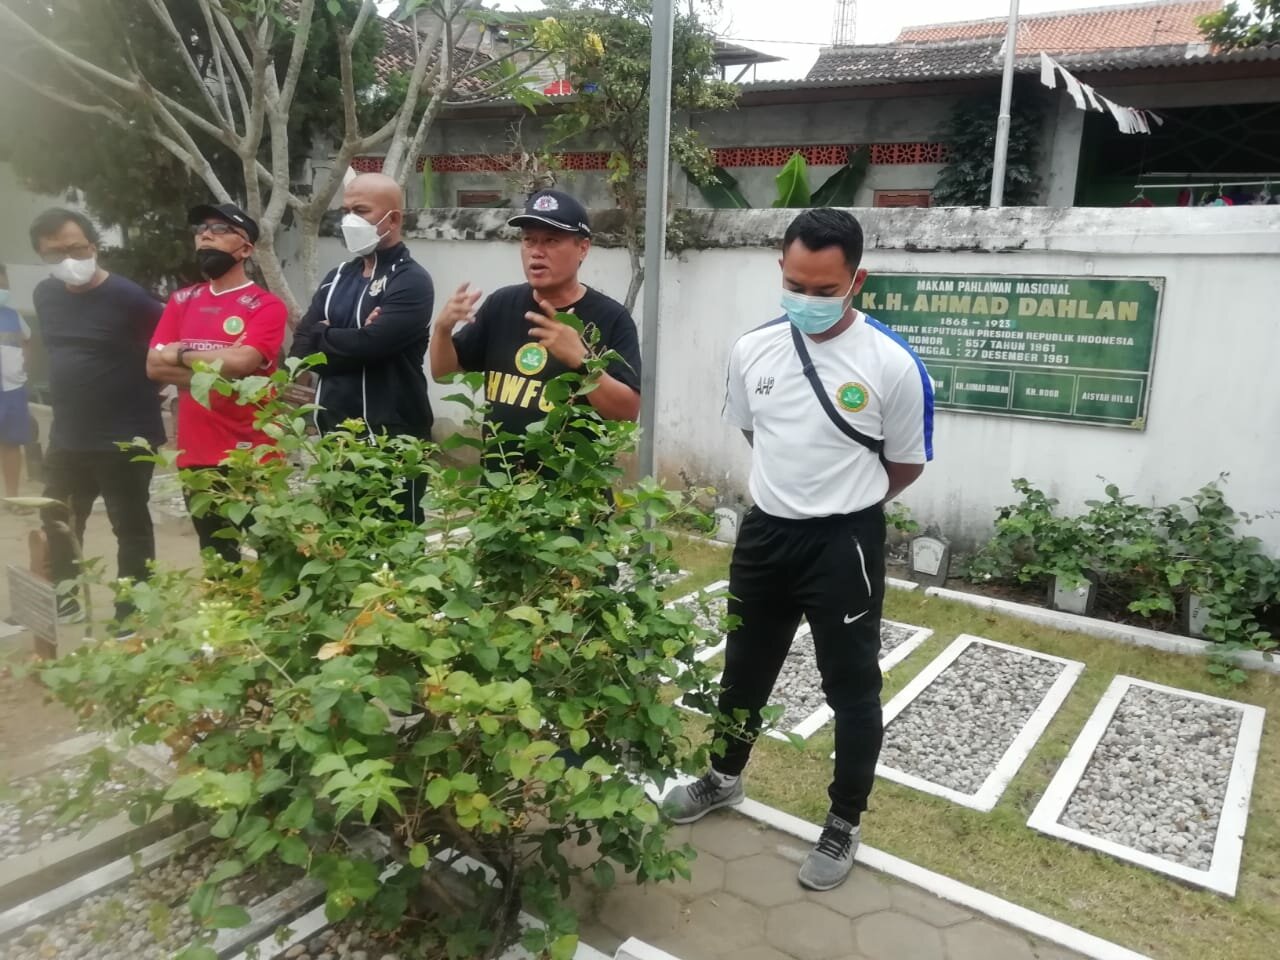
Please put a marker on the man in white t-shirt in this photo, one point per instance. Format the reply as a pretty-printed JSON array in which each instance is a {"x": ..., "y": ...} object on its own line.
[
  {"x": 839, "y": 413},
  {"x": 15, "y": 417}
]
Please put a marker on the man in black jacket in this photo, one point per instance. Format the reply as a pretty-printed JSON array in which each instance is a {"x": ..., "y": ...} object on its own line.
[{"x": 371, "y": 319}]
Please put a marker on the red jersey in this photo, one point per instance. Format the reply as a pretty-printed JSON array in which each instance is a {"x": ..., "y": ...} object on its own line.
[{"x": 203, "y": 320}]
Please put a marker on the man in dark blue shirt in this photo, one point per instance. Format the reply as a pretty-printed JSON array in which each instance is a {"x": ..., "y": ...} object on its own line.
[{"x": 95, "y": 326}]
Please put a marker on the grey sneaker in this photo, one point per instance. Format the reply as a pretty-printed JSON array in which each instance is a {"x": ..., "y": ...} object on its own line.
[
  {"x": 831, "y": 859},
  {"x": 686, "y": 804}
]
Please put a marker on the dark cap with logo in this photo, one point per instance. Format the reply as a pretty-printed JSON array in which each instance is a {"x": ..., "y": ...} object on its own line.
[
  {"x": 228, "y": 212},
  {"x": 551, "y": 208}
]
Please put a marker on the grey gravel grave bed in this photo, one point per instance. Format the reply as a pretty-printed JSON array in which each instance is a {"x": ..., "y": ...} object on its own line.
[
  {"x": 955, "y": 732},
  {"x": 144, "y": 918},
  {"x": 626, "y": 577},
  {"x": 1158, "y": 777},
  {"x": 29, "y": 808},
  {"x": 332, "y": 944},
  {"x": 893, "y": 635},
  {"x": 708, "y": 616},
  {"x": 799, "y": 687}
]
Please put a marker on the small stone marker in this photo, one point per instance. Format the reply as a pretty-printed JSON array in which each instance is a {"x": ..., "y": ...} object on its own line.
[
  {"x": 727, "y": 520},
  {"x": 1196, "y": 615},
  {"x": 34, "y": 604},
  {"x": 1078, "y": 599},
  {"x": 930, "y": 560}
]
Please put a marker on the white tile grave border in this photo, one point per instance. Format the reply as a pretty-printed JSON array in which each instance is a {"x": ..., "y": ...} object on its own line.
[
  {"x": 1106, "y": 630},
  {"x": 1224, "y": 868},
  {"x": 936, "y": 884},
  {"x": 85, "y": 886},
  {"x": 20, "y": 872},
  {"x": 988, "y": 795},
  {"x": 906, "y": 647}
]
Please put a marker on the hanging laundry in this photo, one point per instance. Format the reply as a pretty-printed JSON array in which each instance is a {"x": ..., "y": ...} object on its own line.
[{"x": 1128, "y": 119}]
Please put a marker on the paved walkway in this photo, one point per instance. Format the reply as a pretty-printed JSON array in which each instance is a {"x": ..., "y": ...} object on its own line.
[{"x": 743, "y": 903}]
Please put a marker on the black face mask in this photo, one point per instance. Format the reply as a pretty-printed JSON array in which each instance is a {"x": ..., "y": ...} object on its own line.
[{"x": 214, "y": 263}]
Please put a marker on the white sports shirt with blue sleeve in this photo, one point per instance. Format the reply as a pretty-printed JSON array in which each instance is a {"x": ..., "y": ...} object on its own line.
[{"x": 802, "y": 465}]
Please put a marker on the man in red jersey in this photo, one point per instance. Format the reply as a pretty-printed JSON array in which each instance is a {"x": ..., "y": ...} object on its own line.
[{"x": 230, "y": 321}]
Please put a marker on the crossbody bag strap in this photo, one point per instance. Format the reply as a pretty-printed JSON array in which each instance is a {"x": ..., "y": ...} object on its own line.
[{"x": 843, "y": 425}]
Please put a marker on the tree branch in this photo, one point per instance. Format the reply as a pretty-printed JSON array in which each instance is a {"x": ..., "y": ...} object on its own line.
[
  {"x": 418, "y": 81},
  {"x": 166, "y": 20},
  {"x": 225, "y": 65},
  {"x": 362, "y": 17},
  {"x": 51, "y": 94},
  {"x": 301, "y": 37},
  {"x": 231, "y": 38},
  {"x": 484, "y": 93},
  {"x": 66, "y": 56}
]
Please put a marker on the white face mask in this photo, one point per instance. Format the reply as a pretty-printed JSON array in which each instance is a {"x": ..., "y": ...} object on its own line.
[
  {"x": 361, "y": 236},
  {"x": 75, "y": 273}
]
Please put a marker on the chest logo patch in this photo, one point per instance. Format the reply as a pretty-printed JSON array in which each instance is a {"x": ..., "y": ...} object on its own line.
[
  {"x": 377, "y": 286},
  {"x": 853, "y": 396},
  {"x": 531, "y": 358},
  {"x": 234, "y": 326}
]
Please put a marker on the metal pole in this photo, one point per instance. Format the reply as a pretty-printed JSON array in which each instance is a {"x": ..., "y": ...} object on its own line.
[
  {"x": 1006, "y": 104},
  {"x": 655, "y": 224}
]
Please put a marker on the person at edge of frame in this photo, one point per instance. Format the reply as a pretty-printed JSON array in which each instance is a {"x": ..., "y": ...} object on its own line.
[{"x": 95, "y": 326}]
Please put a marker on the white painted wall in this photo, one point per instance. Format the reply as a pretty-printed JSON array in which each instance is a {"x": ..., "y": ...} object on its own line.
[{"x": 1215, "y": 396}]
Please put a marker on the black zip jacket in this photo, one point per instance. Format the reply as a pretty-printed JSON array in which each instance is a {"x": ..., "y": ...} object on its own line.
[{"x": 373, "y": 369}]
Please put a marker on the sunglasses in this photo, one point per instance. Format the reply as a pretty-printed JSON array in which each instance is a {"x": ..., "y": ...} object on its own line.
[{"x": 217, "y": 229}]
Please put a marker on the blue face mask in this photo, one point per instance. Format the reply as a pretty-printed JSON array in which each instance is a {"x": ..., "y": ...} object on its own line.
[
  {"x": 4, "y": 297},
  {"x": 814, "y": 315}
]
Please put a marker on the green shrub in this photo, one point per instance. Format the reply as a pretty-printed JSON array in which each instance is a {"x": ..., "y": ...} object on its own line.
[
  {"x": 356, "y": 675},
  {"x": 1144, "y": 559}
]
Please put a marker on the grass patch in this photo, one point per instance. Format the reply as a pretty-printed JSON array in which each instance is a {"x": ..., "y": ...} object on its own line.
[{"x": 996, "y": 851}]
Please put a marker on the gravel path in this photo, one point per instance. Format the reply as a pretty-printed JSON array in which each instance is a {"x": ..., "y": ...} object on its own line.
[
  {"x": 145, "y": 918},
  {"x": 1158, "y": 777},
  {"x": 29, "y": 808},
  {"x": 955, "y": 732}
]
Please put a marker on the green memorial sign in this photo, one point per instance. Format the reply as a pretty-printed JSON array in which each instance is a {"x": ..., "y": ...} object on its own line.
[{"x": 1077, "y": 349}]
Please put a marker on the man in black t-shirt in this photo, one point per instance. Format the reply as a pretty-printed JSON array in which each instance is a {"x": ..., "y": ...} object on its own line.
[
  {"x": 515, "y": 338},
  {"x": 95, "y": 326}
]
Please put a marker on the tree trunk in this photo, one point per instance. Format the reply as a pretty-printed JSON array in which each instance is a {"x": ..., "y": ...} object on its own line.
[
  {"x": 637, "y": 277},
  {"x": 273, "y": 273},
  {"x": 308, "y": 228}
]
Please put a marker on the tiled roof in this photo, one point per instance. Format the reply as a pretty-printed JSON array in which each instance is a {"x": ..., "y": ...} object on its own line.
[
  {"x": 399, "y": 53},
  {"x": 1101, "y": 28},
  {"x": 906, "y": 62},
  {"x": 953, "y": 60}
]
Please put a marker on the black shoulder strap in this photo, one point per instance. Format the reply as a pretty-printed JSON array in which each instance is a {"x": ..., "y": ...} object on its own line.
[{"x": 811, "y": 375}]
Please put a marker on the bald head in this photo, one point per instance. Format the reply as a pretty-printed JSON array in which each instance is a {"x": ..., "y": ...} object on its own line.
[{"x": 377, "y": 198}]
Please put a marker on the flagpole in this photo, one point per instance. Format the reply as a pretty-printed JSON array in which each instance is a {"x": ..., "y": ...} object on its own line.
[
  {"x": 1006, "y": 103},
  {"x": 655, "y": 225}
]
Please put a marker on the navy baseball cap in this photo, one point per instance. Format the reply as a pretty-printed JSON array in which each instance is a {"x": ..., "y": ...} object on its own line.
[
  {"x": 228, "y": 212},
  {"x": 551, "y": 208}
]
